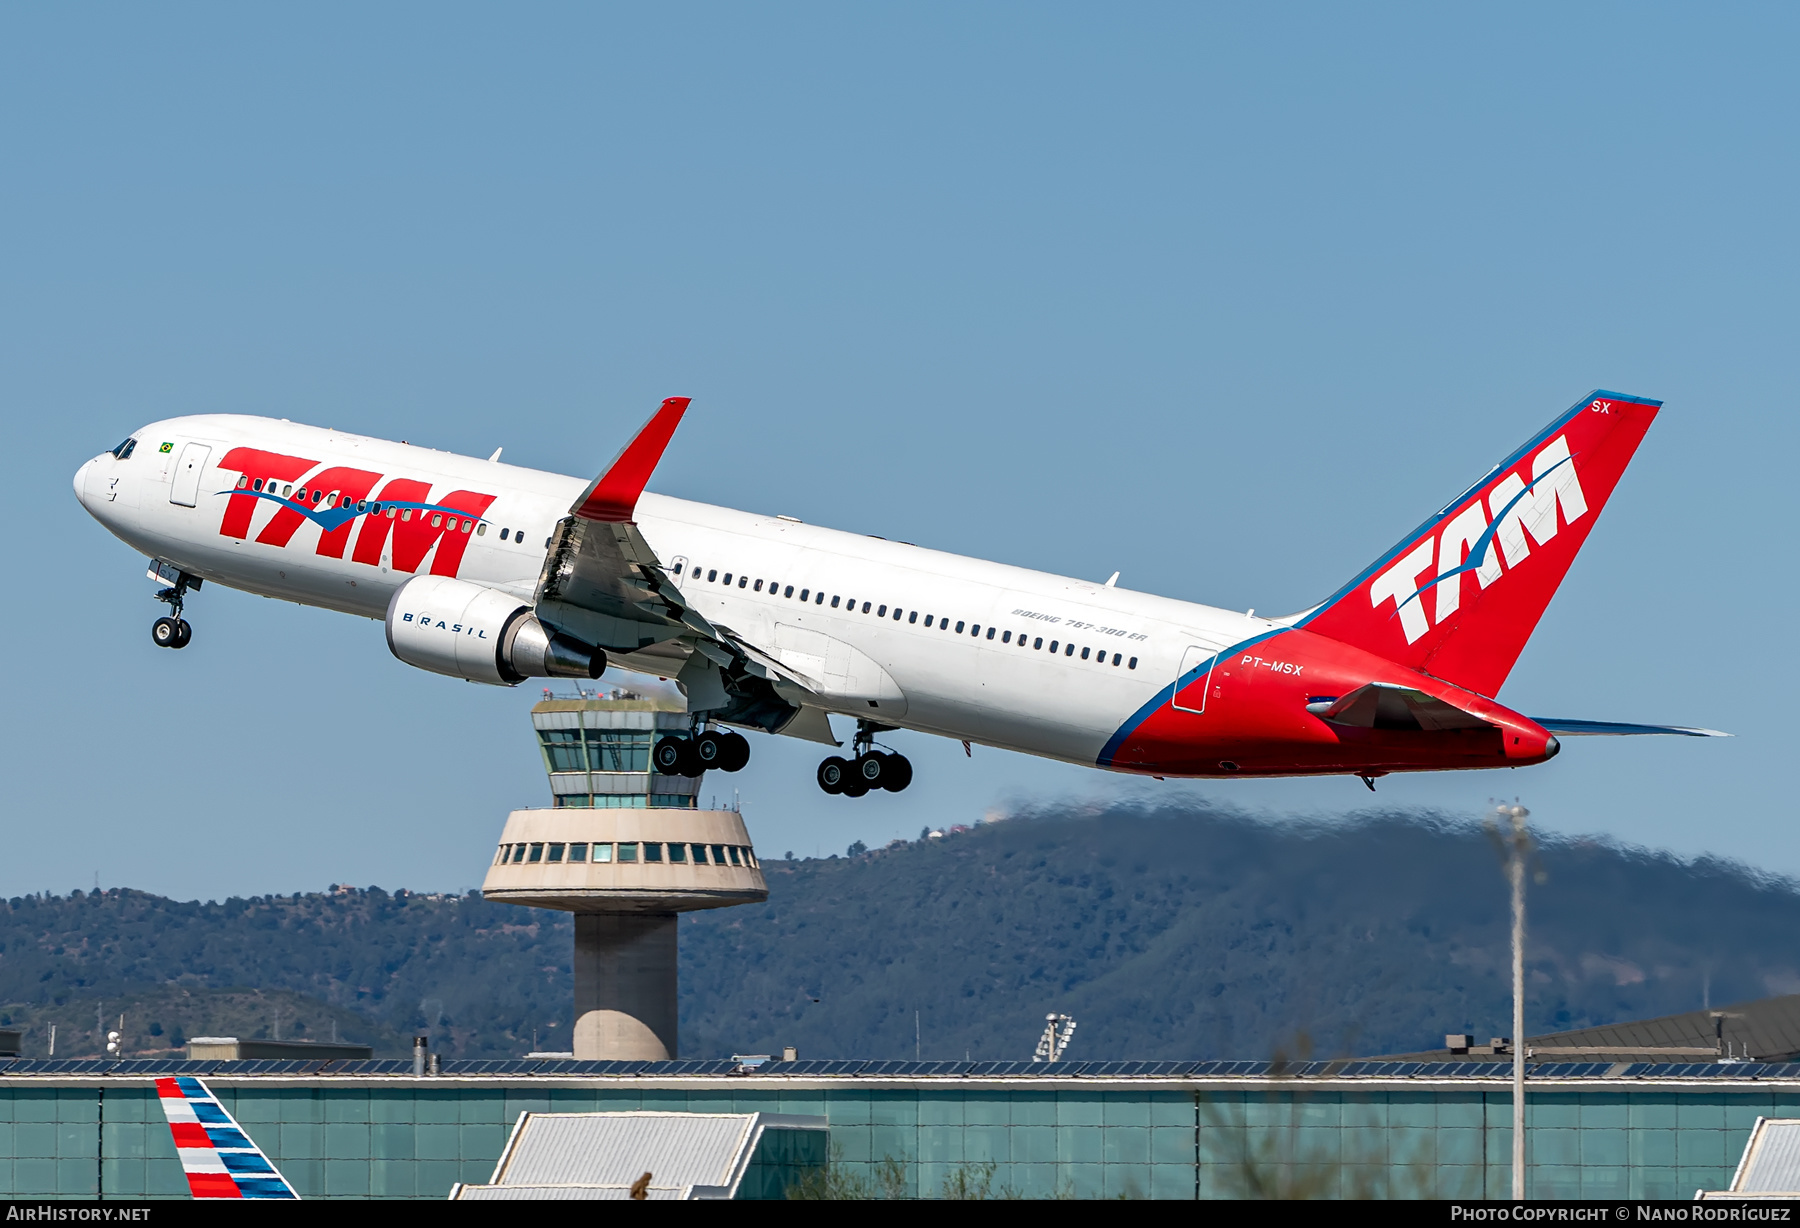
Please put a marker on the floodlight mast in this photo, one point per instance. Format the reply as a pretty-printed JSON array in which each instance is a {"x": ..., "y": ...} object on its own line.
[
  {"x": 1518, "y": 848},
  {"x": 1058, "y": 1029}
]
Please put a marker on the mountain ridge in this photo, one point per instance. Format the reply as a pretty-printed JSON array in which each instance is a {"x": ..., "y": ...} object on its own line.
[{"x": 1182, "y": 931}]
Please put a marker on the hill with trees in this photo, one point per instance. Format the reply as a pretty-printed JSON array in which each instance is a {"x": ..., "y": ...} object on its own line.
[{"x": 1178, "y": 932}]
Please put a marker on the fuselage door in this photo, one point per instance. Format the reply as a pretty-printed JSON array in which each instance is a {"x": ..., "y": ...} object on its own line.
[
  {"x": 1194, "y": 683},
  {"x": 185, "y": 489}
]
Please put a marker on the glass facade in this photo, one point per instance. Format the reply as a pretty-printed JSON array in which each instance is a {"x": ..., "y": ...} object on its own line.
[
  {"x": 600, "y": 750},
  {"x": 676, "y": 854},
  {"x": 626, "y": 801},
  {"x": 413, "y": 1140}
]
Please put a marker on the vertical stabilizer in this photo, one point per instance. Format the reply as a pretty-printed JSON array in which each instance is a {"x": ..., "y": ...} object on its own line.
[
  {"x": 1458, "y": 597},
  {"x": 218, "y": 1157}
]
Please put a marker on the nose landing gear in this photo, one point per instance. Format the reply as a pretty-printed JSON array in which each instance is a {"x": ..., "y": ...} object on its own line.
[
  {"x": 173, "y": 631},
  {"x": 871, "y": 769}
]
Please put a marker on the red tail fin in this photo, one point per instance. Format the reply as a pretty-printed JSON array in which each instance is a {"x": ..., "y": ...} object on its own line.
[{"x": 1460, "y": 595}]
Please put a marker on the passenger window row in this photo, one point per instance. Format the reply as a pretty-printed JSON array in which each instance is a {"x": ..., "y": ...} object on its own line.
[
  {"x": 319, "y": 498},
  {"x": 776, "y": 589},
  {"x": 632, "y": 852}
]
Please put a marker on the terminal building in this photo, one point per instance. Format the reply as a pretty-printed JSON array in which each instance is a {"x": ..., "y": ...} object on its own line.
[{"x": 373, "y": 1129}]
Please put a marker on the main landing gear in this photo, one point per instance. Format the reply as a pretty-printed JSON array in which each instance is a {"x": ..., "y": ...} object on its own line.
[
  {"x": 713, "y": 749},
  {"x": 172, "y": 631},
  {"x": 870, "y": 769}
]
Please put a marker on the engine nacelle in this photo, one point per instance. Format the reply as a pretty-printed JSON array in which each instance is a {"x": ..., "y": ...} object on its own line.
[{"x": 465, "y": 630}]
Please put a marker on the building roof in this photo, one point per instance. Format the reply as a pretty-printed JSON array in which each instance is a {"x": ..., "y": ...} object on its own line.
[
  {"x": 637, "y": 703},
  {"x": 1770, "y": 1166},
  {"x": 600, "y": 1155},
  {"x": 1765, "y": 1030},
  {"x": 1771, "y": 1161}
]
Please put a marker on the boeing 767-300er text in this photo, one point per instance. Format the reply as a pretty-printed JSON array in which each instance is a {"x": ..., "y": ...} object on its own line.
[{"x": 494, "y": 573}]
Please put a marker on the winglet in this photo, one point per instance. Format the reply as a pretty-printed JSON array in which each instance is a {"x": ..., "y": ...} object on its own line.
[{"x": 614, "y": 494}]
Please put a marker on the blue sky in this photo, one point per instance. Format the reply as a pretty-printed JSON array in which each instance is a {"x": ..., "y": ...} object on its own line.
[{"x": 1223, "y": 299}]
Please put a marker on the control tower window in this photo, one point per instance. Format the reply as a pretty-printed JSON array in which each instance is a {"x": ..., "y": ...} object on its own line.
[
  {"x": 556, "y": 852},
  {"x": 653, "y": 852},
  {"x": 628, "y": 852},
  {"x": 718, "y": 854},
  {"x": 618, "y": 750},
  {"x": 603, "y": 853},
  {"x": 578, "y": 853},
  {"x": 678, "y": 854},
  {"x": 562, "y": 749}
]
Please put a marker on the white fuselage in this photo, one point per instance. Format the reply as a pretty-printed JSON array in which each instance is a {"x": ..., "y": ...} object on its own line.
[{"x": 1000, "y": 686}]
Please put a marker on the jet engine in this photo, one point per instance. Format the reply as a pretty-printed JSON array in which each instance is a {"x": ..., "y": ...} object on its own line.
[{"x": 451, "y": 626}]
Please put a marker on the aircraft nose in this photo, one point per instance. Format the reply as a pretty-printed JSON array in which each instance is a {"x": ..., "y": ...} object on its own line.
[{"x": 81, "y": 484}]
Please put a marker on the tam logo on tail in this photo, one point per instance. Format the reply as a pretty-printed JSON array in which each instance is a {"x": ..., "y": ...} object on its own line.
[
  {"x": 1521, "y": 510},
  {"x": 1460, "y": 595}
]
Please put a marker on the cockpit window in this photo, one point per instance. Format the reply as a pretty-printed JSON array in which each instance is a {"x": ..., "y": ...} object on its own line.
[{"x": 123, "y": 451}]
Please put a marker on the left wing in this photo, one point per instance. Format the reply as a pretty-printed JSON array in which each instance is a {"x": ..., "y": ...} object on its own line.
[
  {"x": 218, "y": 1157},
  {"x": 603, "y": 584}
]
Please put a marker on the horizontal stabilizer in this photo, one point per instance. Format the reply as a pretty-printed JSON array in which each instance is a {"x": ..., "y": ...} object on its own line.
[
  {"x": 1619, "y": 729},
  {"x": 1381, "y": 705}
]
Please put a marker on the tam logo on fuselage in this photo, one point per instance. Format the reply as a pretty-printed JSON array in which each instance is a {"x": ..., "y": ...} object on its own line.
[
  {"x": 401, "y": 513},
  {"x": 1520, "y": 510}
]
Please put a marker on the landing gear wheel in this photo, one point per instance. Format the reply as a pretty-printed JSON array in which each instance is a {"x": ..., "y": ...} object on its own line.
[
  {"x": 854, "y": 787},
  {"x": 669, "y": 755},
  {"x": 709, "y": 750},
  {"x": 834, "y": 774},
  {"x": 870, "y": 769},
  {"x": 736, "y": 752},
  {"x": 166, "y": 633},
  {"x": 184, "y": 634},
  {"x": 898, "y": 775}
]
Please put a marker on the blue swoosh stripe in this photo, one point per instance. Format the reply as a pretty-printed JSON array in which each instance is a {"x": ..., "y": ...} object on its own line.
[
  {"x": 1168, "y": 693},
  {"x": 1485, "y": 542},
  {"x": 1562, "y": 420},
  {"x": 337, "y": 517}
]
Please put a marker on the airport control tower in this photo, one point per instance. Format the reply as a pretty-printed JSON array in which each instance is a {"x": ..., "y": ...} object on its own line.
[{"x": 625, "y": 849}]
